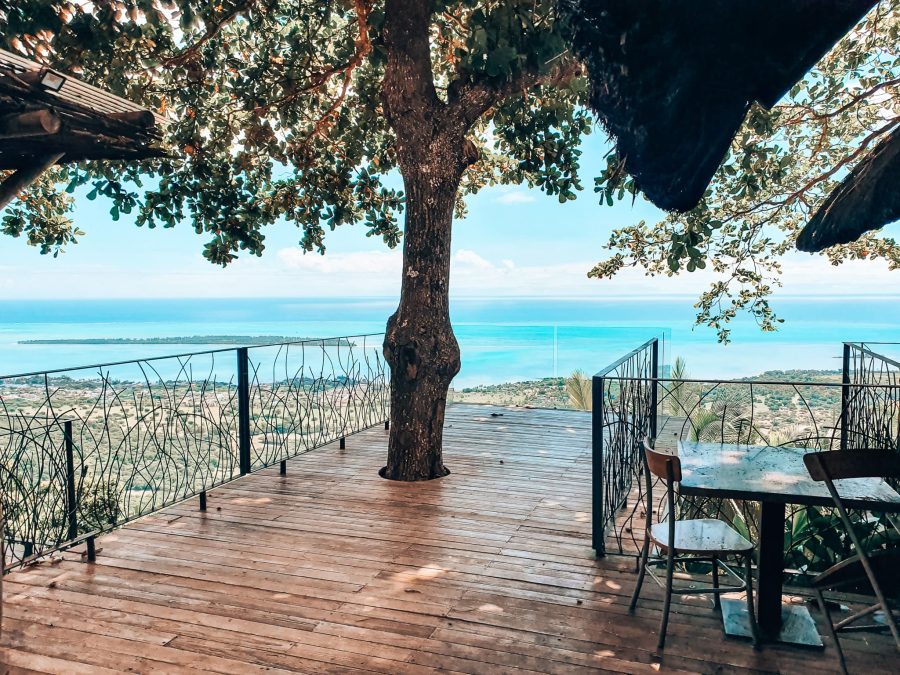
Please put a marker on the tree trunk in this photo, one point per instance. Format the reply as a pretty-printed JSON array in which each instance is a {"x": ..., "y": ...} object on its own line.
[
  {"x": 432, "y": 153},
  {"x": 419, "y": 344}
]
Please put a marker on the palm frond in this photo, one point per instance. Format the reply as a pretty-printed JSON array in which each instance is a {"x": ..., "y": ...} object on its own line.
[{"x": 578, "y": 386}]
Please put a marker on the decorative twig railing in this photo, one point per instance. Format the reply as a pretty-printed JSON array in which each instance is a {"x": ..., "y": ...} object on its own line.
[
  {"x": 871, "y": 414},
  {"x": 623, "y": 413},
  {"x": 813, "y": 415},
  {"x": 85, "y": 450}
]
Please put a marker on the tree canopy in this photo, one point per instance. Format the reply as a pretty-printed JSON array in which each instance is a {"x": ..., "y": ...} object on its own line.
[
  {"x": 276, "y": 113},
  {"x": 274, "y": 110}
]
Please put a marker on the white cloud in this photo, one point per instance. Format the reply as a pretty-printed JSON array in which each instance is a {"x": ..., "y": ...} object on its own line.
[
  {"x": 805, "y": 274},
  {"x": 356, "y": 262},
  {"x": 516, "y": 197},
  {"x": 475, "y": 275},
  {"x": 469, "y": 259},
  {"x": 377, "y": 273}
]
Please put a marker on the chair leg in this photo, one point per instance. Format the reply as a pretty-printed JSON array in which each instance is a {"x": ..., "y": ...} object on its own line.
[
  {"x": 885, "y": 607},
  {"x": 891, "y": 622},
  {"x": 751, "y": 609},
  {"x": 642, "y": 570},
  {"x": 829, "y": 626},
  {"x": 664, "y": 623},
  {"x": 717, "y": 603}
]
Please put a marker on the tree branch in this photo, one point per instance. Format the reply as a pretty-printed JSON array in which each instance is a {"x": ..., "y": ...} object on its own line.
[
  {"x": 363, "y": 46},
  {"x": 472, "y": 98},
  {"x": 796, "y": 195},
  {"x": 212, "y": 31},
  {"x": 808, "y": 113},
  {"x": 18, "y": 181}
]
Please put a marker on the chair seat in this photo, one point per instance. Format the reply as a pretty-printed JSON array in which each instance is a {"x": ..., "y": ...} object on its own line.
[{"x": 703, "y": 535}]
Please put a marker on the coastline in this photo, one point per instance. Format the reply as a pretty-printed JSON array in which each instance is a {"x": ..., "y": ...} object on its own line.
[{"x": 550, "y": 392}]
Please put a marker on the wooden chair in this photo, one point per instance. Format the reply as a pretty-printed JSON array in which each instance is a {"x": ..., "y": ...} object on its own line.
[
  {"x": 874, "y": 575},
  {"x": 699, "y": 540}
]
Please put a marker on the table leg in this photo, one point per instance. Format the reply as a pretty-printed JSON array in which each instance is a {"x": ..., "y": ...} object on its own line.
[
  {"x": 771, "y": 568},
  {"x": 777, "y": 623}
]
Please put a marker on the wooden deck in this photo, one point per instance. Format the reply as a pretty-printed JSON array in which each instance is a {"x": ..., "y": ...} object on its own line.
[{"x": 332, "y": 569}]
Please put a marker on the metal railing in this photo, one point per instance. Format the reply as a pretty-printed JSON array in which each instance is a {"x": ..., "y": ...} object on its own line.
[
  {"x": 85, "y": 450},
  {"x": 623, "y": 413},
  {"x": 871, "y": 415},
  {"x": 858, "y": 411}
]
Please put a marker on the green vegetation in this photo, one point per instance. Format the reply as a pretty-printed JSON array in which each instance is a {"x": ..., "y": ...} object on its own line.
[
  {"x": 549, "y": 392},
  {"x": 799, "y": 413},
  {"x": 757, "y": 408},
  {"x": 796, "y": 375},
  {"x": 579, "y": 388},
  {"x": 676, "y": 395},
  {"x": 814, "y": 537}
]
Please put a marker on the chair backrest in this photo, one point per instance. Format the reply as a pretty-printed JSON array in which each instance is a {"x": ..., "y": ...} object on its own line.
[
  {"x": 833, "y": 465},
  {"x": 668, "y": 469},
  {"x": 660, "y": 464},
  {"x": 837, "y": 464}
]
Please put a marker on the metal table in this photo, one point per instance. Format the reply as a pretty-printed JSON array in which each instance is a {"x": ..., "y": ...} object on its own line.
[{"x": 775, "y": 477}]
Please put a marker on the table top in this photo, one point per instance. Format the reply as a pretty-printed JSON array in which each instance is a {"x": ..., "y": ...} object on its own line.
[{"x": 768, "y": 474}]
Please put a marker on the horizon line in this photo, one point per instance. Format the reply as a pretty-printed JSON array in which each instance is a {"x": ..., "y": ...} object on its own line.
[{"x": 589, "y": 298}]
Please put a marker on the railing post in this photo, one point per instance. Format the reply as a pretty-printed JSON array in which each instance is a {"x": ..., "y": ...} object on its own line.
[
  {"x": 845, "y": 395},
  {"x": 598, "y": 540},
  {"x": 243, "y": 393},
  {"x": 654, "y": 384},
  {"x": 71, "y": 505}
]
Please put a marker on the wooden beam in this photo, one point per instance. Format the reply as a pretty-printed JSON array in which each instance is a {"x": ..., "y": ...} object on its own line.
[
  {"x": 32, "y": 77},
  {"x": 139, "y": 118},
  {"x": 31, "y": 123},
  {"x": 22, "y": 178}
]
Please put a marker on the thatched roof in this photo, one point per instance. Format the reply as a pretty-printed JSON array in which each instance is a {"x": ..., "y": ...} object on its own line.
[
  {"x": 867, "y": 199},
  {"x": 78, "y": 121},
  {"x": 672, "y": 81}
]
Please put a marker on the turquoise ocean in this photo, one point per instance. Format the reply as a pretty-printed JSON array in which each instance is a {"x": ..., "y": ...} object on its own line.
[{"x": 502, "y": 340}]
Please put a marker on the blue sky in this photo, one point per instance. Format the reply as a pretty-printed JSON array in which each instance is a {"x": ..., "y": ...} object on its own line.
[{"x": 515, "y": 242}]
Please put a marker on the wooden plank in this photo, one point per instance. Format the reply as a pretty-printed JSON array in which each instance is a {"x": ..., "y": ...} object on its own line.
[{"x": 331, "y": 569}]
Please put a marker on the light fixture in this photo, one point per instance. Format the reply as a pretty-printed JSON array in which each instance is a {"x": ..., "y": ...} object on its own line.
[{"x": 51, "y": 80}]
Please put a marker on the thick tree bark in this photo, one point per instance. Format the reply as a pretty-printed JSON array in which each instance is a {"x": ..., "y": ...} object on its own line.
[
  {"x": 432, "y": 152},
  {"x": 419, "y": 343}
]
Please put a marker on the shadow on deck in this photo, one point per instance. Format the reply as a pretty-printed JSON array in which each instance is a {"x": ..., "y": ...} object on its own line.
[{"x": 332, "y": 569}]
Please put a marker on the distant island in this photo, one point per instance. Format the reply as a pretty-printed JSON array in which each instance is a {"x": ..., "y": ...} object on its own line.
[{"x": 249, "y": 340}]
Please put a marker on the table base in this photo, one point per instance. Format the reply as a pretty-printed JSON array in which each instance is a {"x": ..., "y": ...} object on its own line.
[{"x": 797, "y": 625}]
